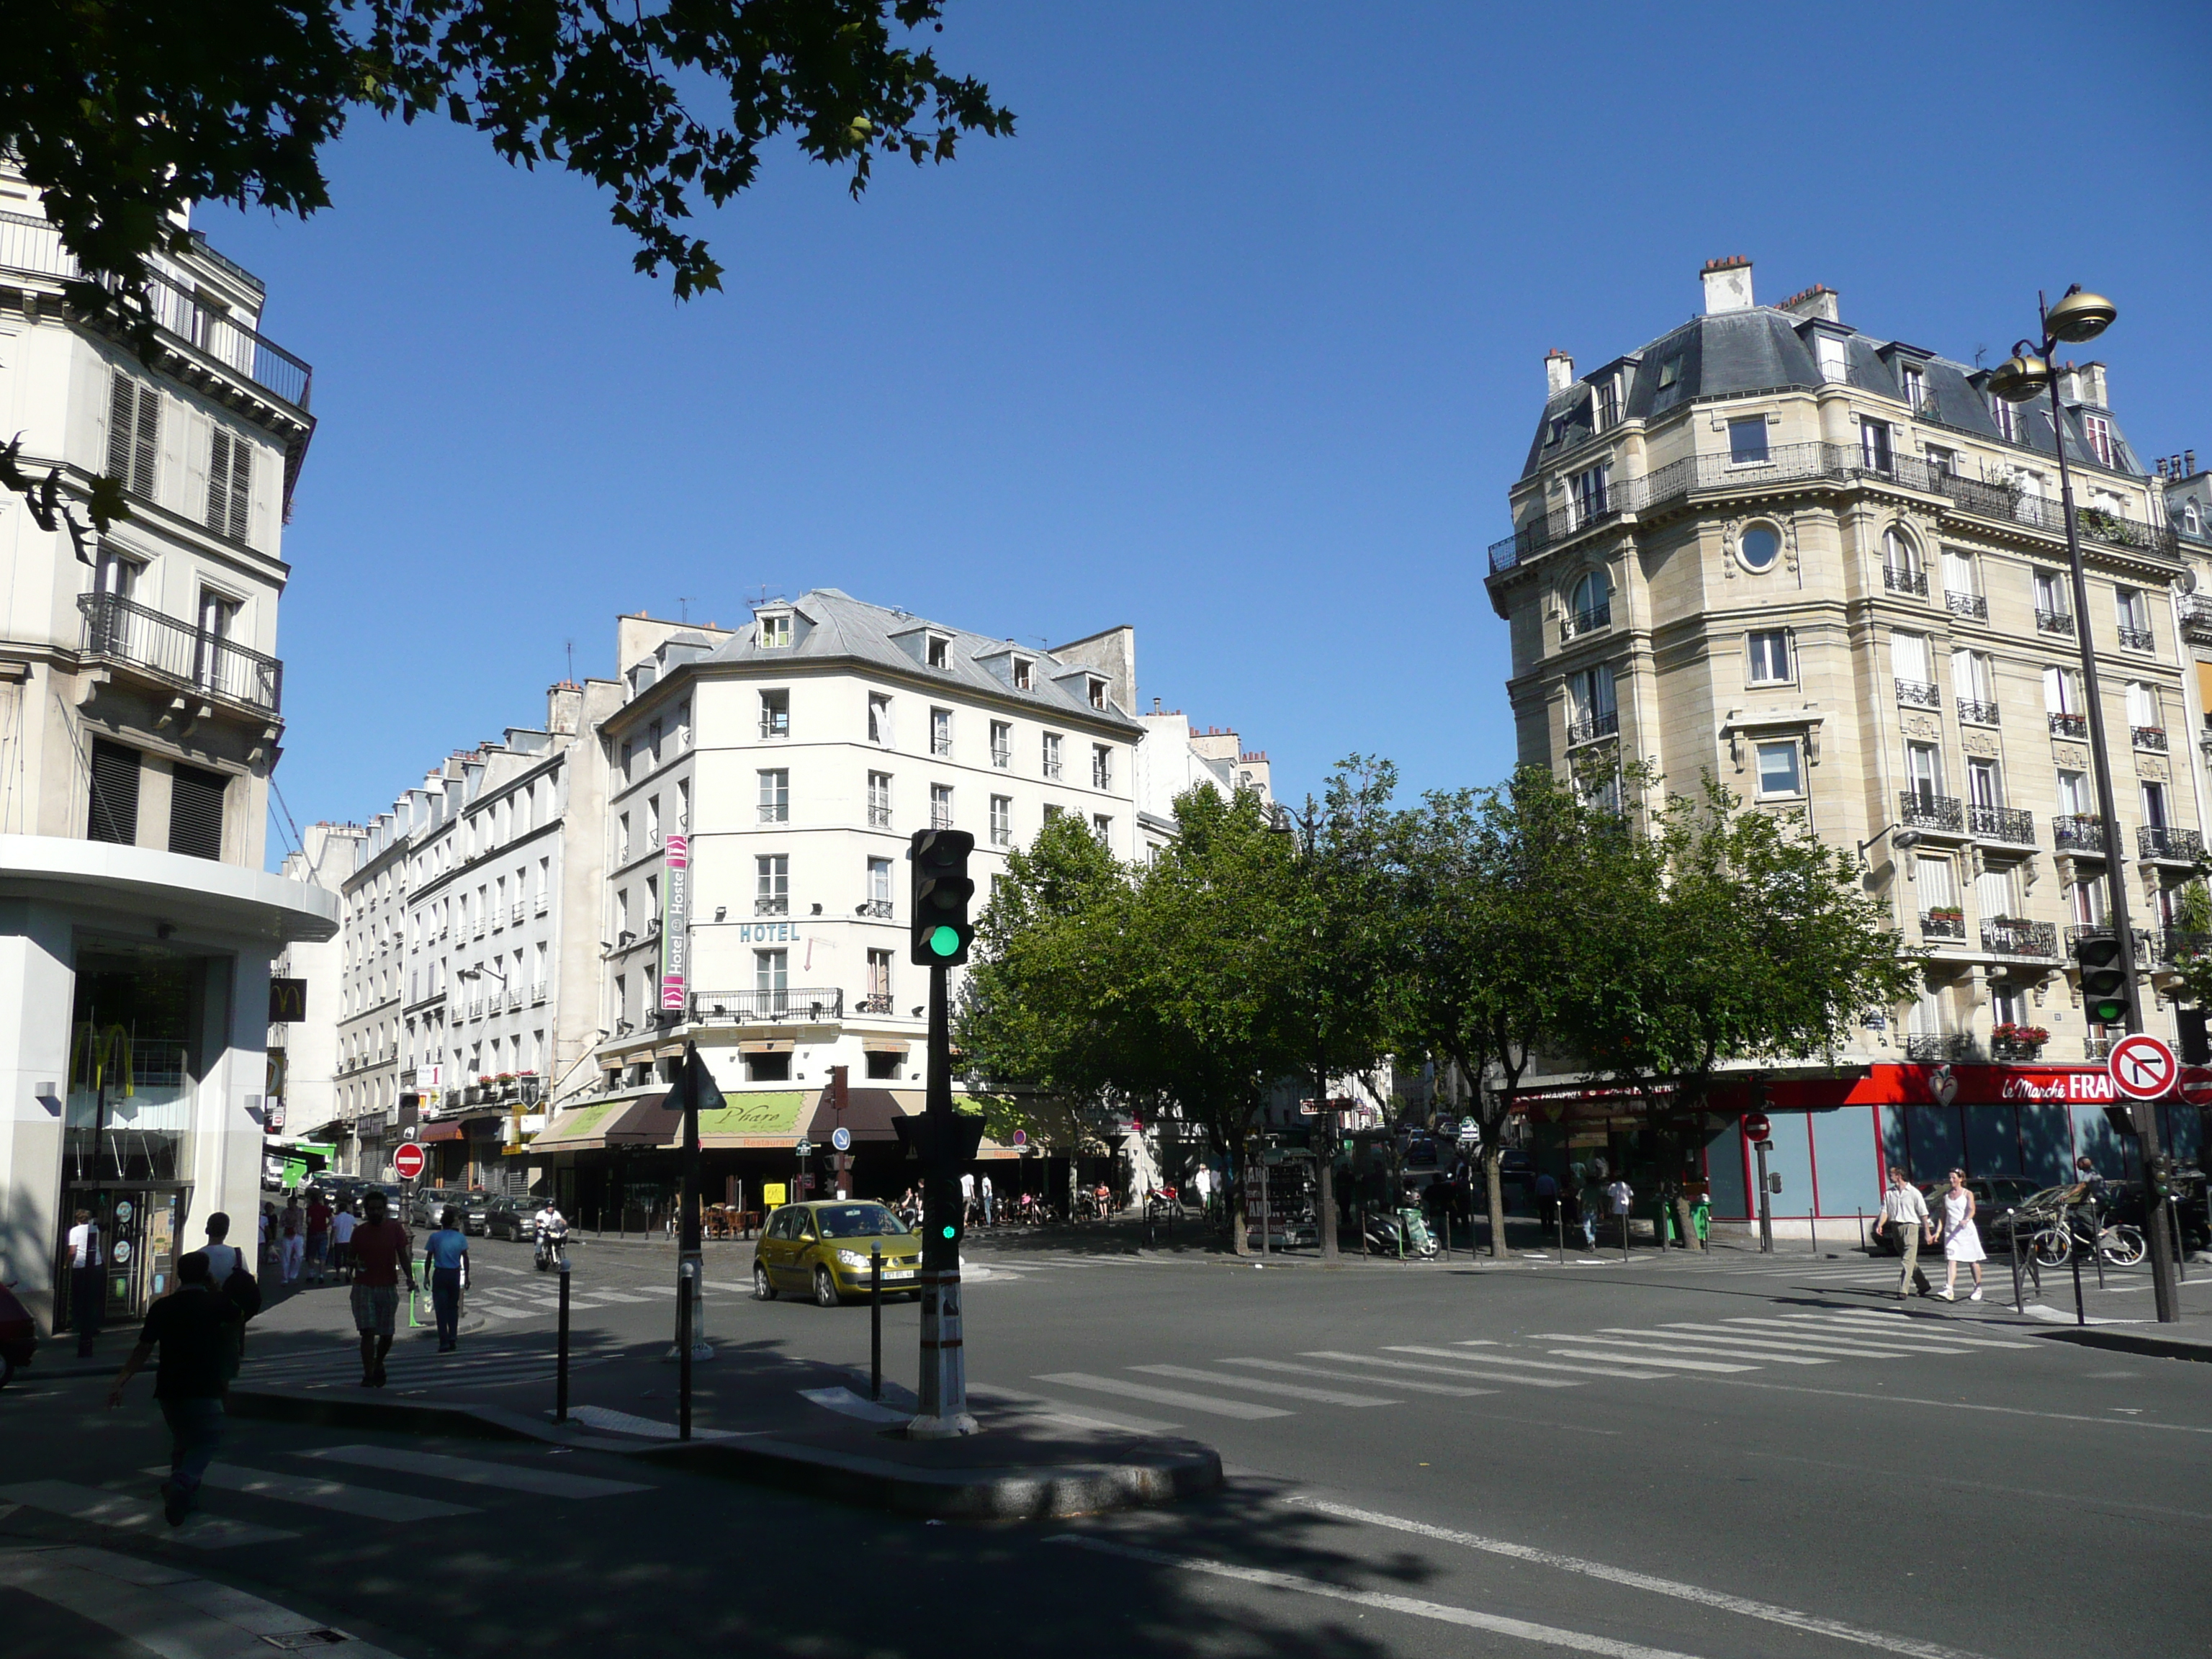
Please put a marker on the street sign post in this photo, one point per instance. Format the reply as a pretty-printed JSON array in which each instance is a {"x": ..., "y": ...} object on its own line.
[
  {"x": 407, "y": 1161},
  {"x": 2142, "y": 1067}
]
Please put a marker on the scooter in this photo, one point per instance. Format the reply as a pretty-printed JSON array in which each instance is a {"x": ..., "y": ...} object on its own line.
[
  {"x": 1405, "y": 1233},
  {"x": 552, "y": 1248}
]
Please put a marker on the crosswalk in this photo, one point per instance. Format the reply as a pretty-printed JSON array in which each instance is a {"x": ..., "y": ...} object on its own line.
[
  {"x": 435, "y": 1481},
  {"x": 413, "y": 1368},
  {"x": 1251, "y": 1387}
]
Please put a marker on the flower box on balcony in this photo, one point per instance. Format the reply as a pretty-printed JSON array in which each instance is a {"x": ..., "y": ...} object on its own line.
[{"x": 2010, "y": 1041}]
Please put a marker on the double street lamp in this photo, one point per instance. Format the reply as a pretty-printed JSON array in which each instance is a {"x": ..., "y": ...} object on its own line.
[{"x": 2021, "y": 379}]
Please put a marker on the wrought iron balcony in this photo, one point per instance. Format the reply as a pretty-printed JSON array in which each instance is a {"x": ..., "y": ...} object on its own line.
[
  {"x": 2137, "y": 639},
  {"x": 176, "y": 654},
  {"x": 2054, "y": 622},
  {"x": 1974, "y": 712},
  {"x": 2070, "y": 725},
  {"x": 1966, "y": 604},
  {"x": 877, "y": 908},
  {"x": 763, "y": 1008},
  {"x": 1929, "y": 811},
  {"x": 1052, "y": 769},
  {"x": 2178, "y": 945},
  {"x": 2152, "y": 737},
  {"x": 879, "y": 1003},
  {"x": 1576, "y": 623},
  {"x": 2164, "y": 841},
  {"x": 772, "y": 904},
  {"x": 1904, "y": 581},
  {"x": 1001, "y": 757},
  {"x": 2010, "y": 824},
  {"x": 2078, "y": 832},
  {"x": 1919, "y": 694},
  {"x": 2002, "y": 936},
  {"x": 879, "y": 817},
  {"x": 2075, "y": 936},
  {"x": 1592, "y": 727},
  {"x": 2096, "y": 1047},
  {"x": 775, "y": 725},
  {"x": 775, "y": 812},
  {"x": 1951, "y": 925},
  {"x": 1930, "y": 1047}
]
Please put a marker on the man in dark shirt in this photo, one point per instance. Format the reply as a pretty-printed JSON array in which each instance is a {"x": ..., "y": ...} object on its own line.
[
  {"x": 380, "y": 1255},
  {"x": 197, "y": 1328}
]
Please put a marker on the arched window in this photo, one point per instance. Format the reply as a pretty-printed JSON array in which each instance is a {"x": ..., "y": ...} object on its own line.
[
  {"x": 2190, "y": 520},
  {"x": 1901, "y": 571},
  {"x": 1591, "y": 606}
]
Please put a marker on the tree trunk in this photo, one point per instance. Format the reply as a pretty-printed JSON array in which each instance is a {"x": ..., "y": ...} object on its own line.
[
  {"x": 1325, "y": 1200},
  {"x": 1494, "y": 1155},
  {"x": 1239, "y": 1243}
]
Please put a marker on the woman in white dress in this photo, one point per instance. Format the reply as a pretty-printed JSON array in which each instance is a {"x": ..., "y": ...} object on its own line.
[{"x": 1962, "y": 1240}]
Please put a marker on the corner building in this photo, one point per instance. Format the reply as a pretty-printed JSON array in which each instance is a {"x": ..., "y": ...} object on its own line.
[{"x": 1830, "y": 570}]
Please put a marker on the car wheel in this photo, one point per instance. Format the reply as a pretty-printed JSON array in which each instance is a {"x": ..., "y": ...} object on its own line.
[
  {"x": 825, "y": 1289},
  {"x": 763, "y": 1290}
]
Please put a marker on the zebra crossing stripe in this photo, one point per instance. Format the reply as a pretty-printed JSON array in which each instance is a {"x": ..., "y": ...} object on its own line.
[
  {"x": 1643, "y": 1356},
  {"x": 1446, "y": 1371},
  {"x": 1899, "y": 1332},
  {"x": 1286, "y": 1390},
  {"x": 1941, "y": 1330},
  {"x": 1194, "y": 1402},
  {"x": 1824, "y": 1330},
  {"x": 139, "y": 1515},
  {"x": 1538, "y": 1365},
  {"x": 1779, "y": 1340},
  {"x": 370, "y": 1501},
  {"x": 1669, "y": 1342},
  {"x": 513, "y": 1477},
  {"x": 1404, "y": 1384}
]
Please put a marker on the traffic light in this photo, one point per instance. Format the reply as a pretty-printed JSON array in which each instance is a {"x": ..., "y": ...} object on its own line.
[
  {"x": 942, "y": 931},
  {"x": 2106, "y": 992}
]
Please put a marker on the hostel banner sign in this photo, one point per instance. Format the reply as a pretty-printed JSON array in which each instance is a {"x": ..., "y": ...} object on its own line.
[{"x": 675, "y": 922}]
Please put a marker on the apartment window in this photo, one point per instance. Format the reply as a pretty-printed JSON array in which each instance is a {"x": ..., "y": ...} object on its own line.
[
  {"x": 940, "y": 731},
  {"x": 940, "y": 651},
  {"x": 1932, "y": 876},
  {"x": 1901, "y": 571},
  {"x": 213, "y": 666},
  {"x": 1985, "y": 788},
  {"x": 538, "y": 969},
  {"x": 776, "y": 796},
  {"x": 1608, "y": 405},
  {"x": 1052, "y": 754},
  {"x": 1994, "y": 895},
  {"x": 879, "y": 719},
  {"x": 1974, "y": 682},
  {"x": 1002, "y": 820},
  {"x": 2074, "y": 797},
  {"x": 772, "y": 978},
  {"x": 2133, "y": 606},
  {"x": 1958, "y": 576},
  {"x": 880, "y": 888},
  {"x": 683, "y": 803},
  {"x": 1591, "y": 712},
  {"x": 196, "y": 812},
  {"x": 1943, "y": 463},
  {"x": 879, "y": 982},
  {"x": 940, "y": 807},
  {"x": 230, "y": 485},
  {"x": 1588, "y": 489},
  {"x": 115, "y": 815},
  {"x": 776, "y": 713},
  {"x": 883, "y": 1063},
  {"x": 1828, "y": 353},
  {"x": 2144, "y": 713},
  {"x": 775, "y": 631},
  {"x": 2099, "y": 430},
  {"x": 1748, "y": 440},
  {"x": 2085, "y": 901},
  {"x": 2051, "y": 600},
  {"x": 653, "y": 821},
  {"x": 1759, "y": 547},
  {"x": 621, "y": 845},
  {"x": 1778, "y": 773},
  {"x": 1025, "y": 674},
  {"x": 134, "y": 433},
  {"x": 116, "y": 575},
  {"x": 1102, "y": 766},
  {"x": 772, "y": 884},
  {"x": 1002, "y": 745},
  {"x": 2153, "y": 805},
  {"x": 622, "y": 1002},
  {"x": 1873, "y": 445},
  {"x": 1102, "y": 826},
  {"x": 880, "y": 800},
  {"x": 1098, "y": 690},
  {"x": 652, "y": 741},
  {"x": 1051, "y": 811},
  {"x": 2006, "y": 421},
  {"x": 1908, "y": 662},
  {"x": 1589, "y": 606},
  {"x": 1770, "y": 658}
]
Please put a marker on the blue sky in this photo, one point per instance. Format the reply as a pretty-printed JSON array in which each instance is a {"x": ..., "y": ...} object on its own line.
[{"x": 1239, "y": 340}]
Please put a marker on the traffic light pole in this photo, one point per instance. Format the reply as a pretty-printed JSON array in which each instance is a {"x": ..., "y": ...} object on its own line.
[{"x": 943, "y": 1390}]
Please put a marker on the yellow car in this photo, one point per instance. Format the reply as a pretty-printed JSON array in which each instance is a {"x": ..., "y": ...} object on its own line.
[{"x": 823, "y": 1247}]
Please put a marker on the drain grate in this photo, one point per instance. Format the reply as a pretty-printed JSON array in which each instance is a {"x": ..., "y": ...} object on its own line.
[{"x": 294, "y": 1641}]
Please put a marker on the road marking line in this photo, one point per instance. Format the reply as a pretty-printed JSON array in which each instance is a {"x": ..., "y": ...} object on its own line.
[
  {"x": 1614, "y": 1336},
  {"x": 511, "y": 1476},
  {"x": 1779, "y": 1340},
  {"x": 1916, "y": 1336},
  {"x": 1935, "y": 1330},
  {"x": 1969, "y": 1406},
  {"x": 1437, "y": 1611},
  {"x": 1447, "y": 1370},
  {"x": 163, "y": 1611},
  {"x": 498, "y": 1267},
  {"x": 1836, "y": 1330},
  {"x": 139, "y": 1515},
  {"x": 1287, "y": 1390},
  {"x": 1195, "y": 1402},
  {"x": 1404, "y": 1384},
  {"x": 1539, "y": 1364},
  {"x": 495, "y": 1311},
  {"x": 370, "y": 1501},
  {"x": 1717, "y": 1600},
  {"x": 1645, "y": 1357}
]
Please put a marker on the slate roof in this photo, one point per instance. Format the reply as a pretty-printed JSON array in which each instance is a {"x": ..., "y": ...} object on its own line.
[{"x": 1763, "y": 348}]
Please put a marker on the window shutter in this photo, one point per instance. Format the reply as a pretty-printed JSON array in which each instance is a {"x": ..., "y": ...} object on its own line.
[
  {"x": 147, "y": 446},
  {"x": 218, "y": 487},
  {"x": 241, "y": 489},
  {"x": 114, "y": 794},
  {"x": 122, "y": 413},
  {"x": 196, "y": 812}
]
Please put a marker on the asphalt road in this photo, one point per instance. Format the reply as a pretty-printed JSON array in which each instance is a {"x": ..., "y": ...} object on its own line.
[{"x": 1722, "y": 1458}]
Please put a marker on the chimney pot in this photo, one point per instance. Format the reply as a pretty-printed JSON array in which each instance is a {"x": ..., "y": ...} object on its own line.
[{"x": 1728, "y": 285}]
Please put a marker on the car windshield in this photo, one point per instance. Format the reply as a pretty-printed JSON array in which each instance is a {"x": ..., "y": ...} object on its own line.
[{"x": 858, "y": 1221}]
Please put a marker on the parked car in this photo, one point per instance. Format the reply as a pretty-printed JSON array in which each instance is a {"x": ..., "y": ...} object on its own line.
[
  {"x": 509, "y": 1218},
  {"x": 823, "y": 1247},
  {"x": 19, "y": 1337},
  {"x": 430, "y": 1203}
]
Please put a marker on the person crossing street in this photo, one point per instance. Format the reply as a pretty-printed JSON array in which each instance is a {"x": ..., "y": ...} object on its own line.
[
  {"x": 1905, "y": 1214},
  {"x": 88, "y": 1287},
  {"x": 381, "y": 1256},
  {"x": 446, "y": 1260},
  {"x": 197, "y": 1332}
]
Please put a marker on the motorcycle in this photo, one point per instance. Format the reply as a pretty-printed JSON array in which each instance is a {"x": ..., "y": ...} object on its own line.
[
  {"x": 1405, "y": 1233},
  {"x": 552, "y": 1248}
]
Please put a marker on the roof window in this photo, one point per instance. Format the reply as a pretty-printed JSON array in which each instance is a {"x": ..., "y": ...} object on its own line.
[
  {"x": 940, "y": 651},
  {"x": 1097, "y": 692},
  {"x": 1025, "y": 670},
  {"x": 775, "y": 629}
]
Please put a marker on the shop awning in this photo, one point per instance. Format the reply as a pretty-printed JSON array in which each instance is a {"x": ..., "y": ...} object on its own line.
[
  {"x": 438, "y": 1132},
  {"x": 577, "y": 1129},
  {"x": 885, "y": 1045},
  {"x": 868, "y": 1115}
]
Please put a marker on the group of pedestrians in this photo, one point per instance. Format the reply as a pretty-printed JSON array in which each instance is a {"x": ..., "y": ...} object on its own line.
[
  {"x": 311, "y": 1244},
  {"x": 1905, "y": 1214}
]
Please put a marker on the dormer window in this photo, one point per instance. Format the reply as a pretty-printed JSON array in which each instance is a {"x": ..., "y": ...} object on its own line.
[
  {"x": 1916, "y": 387},
  {"x": 1608, "y": 405},
  {"x": 1024, "y": 668},
  {"x": 1097, "y": 692},
  {"x": 2099, "y": 433},
  {"x": 939, "y": 651},
  {"x": 775, "y": 631}
]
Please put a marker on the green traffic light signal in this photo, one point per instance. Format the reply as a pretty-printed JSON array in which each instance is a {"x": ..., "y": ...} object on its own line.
[
  {"x": 945, "y": 941},
  {"x": 952, "y": 1232},
  {"x": 942, "y": 889},
  {"x": 2104, "y": 988}
]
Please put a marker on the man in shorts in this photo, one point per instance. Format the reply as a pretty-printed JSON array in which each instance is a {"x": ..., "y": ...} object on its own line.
[
  {"x": 380, "y": 1257},
  {"x": 342, "y": 1226}
]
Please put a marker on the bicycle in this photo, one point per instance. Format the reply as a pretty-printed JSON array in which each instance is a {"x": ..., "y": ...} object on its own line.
[{"x": 2117, "y": 1243}]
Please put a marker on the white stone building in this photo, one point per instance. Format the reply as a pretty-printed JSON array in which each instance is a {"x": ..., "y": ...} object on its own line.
[
  {"x": 303, "y": 1076},
  {"x": 140, "y": 713}
]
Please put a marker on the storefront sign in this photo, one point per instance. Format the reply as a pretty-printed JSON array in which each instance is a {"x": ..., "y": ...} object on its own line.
[
  {"x": 770, "y": 933},
  {"x": 287, "y": 1001},
  {"x": 2096, "y": 1086},
  {"x": 675, "y": 922}
]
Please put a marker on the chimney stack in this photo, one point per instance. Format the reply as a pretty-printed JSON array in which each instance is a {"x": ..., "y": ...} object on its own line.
[
  {"x": 2189, "y": 461},
  {"x": 1728, "y": 285},
  {"x": 1818, "y": 301},
  {"x": 1559, "y": 370}
]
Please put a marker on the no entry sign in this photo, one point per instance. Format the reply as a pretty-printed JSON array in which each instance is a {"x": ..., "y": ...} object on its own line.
[
  {"x": 2142, "y": 1067},
  {"x": 1756, "y": 1127},
  {"x": 407, "y": 1160},
  {"x": 2197, "y": 1085}
]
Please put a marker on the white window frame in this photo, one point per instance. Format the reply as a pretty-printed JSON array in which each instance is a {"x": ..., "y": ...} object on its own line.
[
  {"x": 1759, "y": 649},
  {"x": 1775, "y": 746}
]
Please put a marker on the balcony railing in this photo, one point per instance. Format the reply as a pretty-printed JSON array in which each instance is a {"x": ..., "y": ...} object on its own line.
[
  {"x": 775, "y": 812},
  {"x": 541, "y": 903},
  {"x": 2177, "y": 945},
  {"x": 1052, "y": 769},
  {"x": 2078, "y": 832},
  {"x": 1938, "y": 1046},
  {"x": 1591, "y": 727},
  {"x": 1001, "y": 757},
  {"x": 1836, "y": 463},
  {"x": 1919, "y": 694},
  {"x": 880, "y": 1003},
  {"x": 941, "y": 746},
  {"x": 1904, "y": 581},
  {"x": 2196, "y": 617},
  {"x": 2137, "y": 639},
  {"x": 2152, "y": 737},
  {"x": 2010, "y": 824},
  {"x": 2096, "y": 1047},
  {"x": 879, "y": 817},
  {"x": 759, "y": 1008},
  {"x": 775, "y": 725},
  {"x": 2003, "y": 937},
  {"x": 1942, "y": 927},
  {"x": 1576, "y": 623},
  {"x": 879, "y": 909},
  {"x": 32, "y": 244},
  {"x": 1926, "y": 812},
  {"x": 772, "y": 904},
  {"x": 2075, "y": 936},
  {"x": 1973, "y": 711},
  {"x": 173, "y": 651},
  {"x": 1002, "y": 835},
  {"x": 1966, "y": 604},
  {"x": 2070, "y": 725},
  {"x": 2163, "y": 841},
  {"x": 2054, "y": 622}
]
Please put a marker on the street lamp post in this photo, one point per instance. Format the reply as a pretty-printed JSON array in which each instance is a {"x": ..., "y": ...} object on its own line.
[{"x": 2077, "y": 318}]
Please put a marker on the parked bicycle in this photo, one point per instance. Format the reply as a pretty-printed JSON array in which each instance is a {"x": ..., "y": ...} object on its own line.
[{"x": 2079, "y": 1227}]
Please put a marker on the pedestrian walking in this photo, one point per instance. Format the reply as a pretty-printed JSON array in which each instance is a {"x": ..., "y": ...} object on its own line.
[
  {"x": 342, "y": 1226},
  {"x": 446, "y": 1262},
  {"x": 967, "y": 1198},
  {"x": 1547, "y": 1200},
  {"x": 1620, "y": 1195},
  {"x": 197, "y": 1333},
  {"x": 88, "y": 1291},
  {"x": 1593, "y": 1205},
  {"x": 291, "y": 1241},
  {"x": 318, "y": 1237},
  {"x": 1905, "y": 1214},
  {"x": 224, "y": 1258},
  {"x": 381, "y": 1254},
  {"x": 1962, "y": 1239},
  {"x": 989, "y": 1195},
  {"x": 265, "y": 1229}
]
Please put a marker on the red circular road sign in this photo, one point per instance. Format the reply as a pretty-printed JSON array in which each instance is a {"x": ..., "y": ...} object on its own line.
[
  {"x": 2197, "y": 1085},
  {"x": 407, "y": 1160},
  {"x": 1756, "y": 1127},
  {"x": 2142, "y": 1067}
]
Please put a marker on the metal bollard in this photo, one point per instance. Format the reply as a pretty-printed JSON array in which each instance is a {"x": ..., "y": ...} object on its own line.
[
  {"x": 561, "y": 1361},
  {"x": 2080, "y": 1317},
  {"x": 683, "y": 1351},
  {"x": 875, "y": 1322},
  {"x": 2019, "y": 1302}
]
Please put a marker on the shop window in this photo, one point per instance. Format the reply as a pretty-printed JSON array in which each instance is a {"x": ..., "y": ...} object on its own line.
[
  {"x": 768, "y": 1068},
  {"x": 882, "y": 1068}
]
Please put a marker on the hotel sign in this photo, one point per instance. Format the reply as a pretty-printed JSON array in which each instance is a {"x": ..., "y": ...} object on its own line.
[{"x": 675, "y": 922}]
